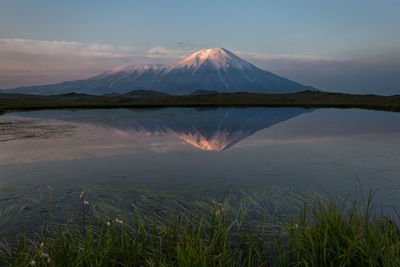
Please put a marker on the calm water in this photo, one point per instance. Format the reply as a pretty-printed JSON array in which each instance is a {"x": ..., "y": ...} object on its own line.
[{"x": 48, "y": 157}]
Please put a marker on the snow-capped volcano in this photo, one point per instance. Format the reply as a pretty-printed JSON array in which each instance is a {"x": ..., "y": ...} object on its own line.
[{"x": 209, "y": 69}]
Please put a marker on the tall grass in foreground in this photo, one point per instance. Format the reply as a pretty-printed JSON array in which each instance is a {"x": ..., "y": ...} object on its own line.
[
  {"x": 336, "y": 234},
  {"x": 233, "y": 232}
]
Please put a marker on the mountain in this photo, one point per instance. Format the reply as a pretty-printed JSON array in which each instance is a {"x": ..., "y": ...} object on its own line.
[
  {"x": 206, "y": 129},
  {"x": 214, "y": 69}
]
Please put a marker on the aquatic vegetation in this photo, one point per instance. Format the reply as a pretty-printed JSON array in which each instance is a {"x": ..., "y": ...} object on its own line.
[
  {"x": 243, "y": 230},
  {"x": 344, "y": 234}
]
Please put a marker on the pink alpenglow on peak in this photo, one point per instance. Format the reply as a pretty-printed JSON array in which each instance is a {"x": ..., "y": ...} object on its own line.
[{"x": 220, "y": 58}]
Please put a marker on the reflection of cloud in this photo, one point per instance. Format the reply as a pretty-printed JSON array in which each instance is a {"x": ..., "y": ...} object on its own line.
[
  {"x": 257, "y": 141},
  {"x": 120, "y": 132},
  {"x": 165, "y": 147},
  {"x": 313, "y": 139},
  {"x": 46, "y": 150},
  {"x": 106, "y": 142}
]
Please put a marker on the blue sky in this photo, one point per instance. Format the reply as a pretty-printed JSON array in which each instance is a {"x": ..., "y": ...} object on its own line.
[{"x": 348, "y": 46}]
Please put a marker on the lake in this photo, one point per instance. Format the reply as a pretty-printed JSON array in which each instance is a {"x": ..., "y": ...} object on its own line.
[{"x": 48, "y": 157}]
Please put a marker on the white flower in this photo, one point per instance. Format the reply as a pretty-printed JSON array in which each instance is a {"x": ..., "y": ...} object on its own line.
[
  {"x": 85, "y": 202},
  {"x": 119, "y": 221},
  {"x": 219, "y": 211},
  {"x": 33, "y": 263},
  {"x": 108, "y": 223},
  {"x": 44, "y": 255}
]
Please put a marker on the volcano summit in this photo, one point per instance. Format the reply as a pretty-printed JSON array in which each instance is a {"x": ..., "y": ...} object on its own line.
[{"x": 210, "y": 69}]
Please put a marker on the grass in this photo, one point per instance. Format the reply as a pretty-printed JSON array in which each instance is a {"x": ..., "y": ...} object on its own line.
[
  {"x": 331, "y": 234},
  {"x": 306, "y": 99},
  {"x": 233, "y": 232}
]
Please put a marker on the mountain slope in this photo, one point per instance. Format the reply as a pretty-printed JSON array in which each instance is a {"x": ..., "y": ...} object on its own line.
[{"x": 210, "y": 69}]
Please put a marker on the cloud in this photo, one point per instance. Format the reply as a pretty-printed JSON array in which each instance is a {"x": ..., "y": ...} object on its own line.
[
  {"x": 158, "y": 51},
  {"x": 62, "y": 48},
  {"x": 362, "y": 75},
  {"x": 87, "y": 50},
  {"x": 172, "y": 55},
  {"x": 29, "y": 62},
  {"x": 287, "y": 57}
]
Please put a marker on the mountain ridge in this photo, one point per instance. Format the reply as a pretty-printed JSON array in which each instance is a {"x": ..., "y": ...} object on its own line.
[{"x": 215, "y": 69}]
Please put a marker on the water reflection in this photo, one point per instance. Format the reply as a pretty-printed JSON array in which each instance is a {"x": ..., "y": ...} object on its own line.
[
  {"x": 206, "y": 129},
  {"x": 48, "y": 157}
]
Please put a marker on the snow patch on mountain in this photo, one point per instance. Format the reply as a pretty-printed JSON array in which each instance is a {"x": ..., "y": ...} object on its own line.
[{"x": 140, "y": 68}]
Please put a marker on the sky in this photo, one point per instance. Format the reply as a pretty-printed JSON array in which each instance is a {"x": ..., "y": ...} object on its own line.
[{"x": 342, "y": 46}]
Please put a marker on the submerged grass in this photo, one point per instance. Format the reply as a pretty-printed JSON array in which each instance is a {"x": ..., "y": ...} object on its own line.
[{"x": 237, "y": 231}]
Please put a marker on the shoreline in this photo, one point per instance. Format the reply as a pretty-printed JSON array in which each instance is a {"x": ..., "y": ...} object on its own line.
[{"x": 306, "y": 99}]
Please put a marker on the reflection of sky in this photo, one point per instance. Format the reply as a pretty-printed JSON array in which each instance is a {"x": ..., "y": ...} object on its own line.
[
  {"x": 328, "y": 124},
  {"x": 86, "y": 141},
  {"x": 98, "y": 135},
  {"x": 321, "y": 150}
]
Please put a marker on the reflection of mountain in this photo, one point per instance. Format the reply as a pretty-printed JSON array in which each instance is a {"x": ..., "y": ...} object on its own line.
[{"x": 211, "y": 129}]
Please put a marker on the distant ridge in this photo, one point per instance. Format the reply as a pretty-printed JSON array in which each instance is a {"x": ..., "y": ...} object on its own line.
[
  {"x": 215, "y": 69},
  {"x": 140, "y": 93},
  {"x": 204, "y": 92}
]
